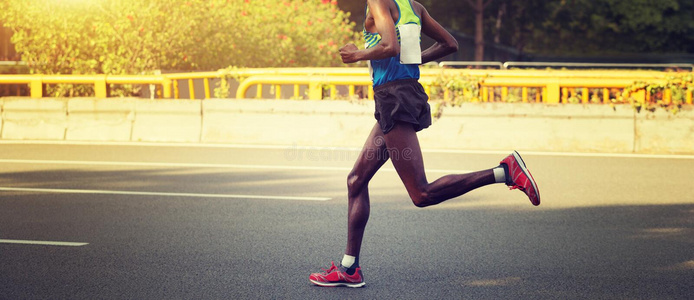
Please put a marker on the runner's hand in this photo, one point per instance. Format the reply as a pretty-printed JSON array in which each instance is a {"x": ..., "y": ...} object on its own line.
[{"x": 347, "y": 52}]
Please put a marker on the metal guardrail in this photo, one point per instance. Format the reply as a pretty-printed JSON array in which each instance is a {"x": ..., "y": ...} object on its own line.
[
  {"x": 566, "y": 65},
  {"x": 515, "y": 64},
  {"x": 315, "y": 84},
  {"x": 551, "y": 86},
  {"x": 100, "y": 82},
  {"x": 548, "y": 86},
  {"x": 494, "y": 64}
]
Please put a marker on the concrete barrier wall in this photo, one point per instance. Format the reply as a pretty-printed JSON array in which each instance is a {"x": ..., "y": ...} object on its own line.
[
  {"x": 493, "y": 126},
  {"x": 663, "y": 132},
  {"x": 167, "y": 120},
  {"x": 287, "y": 122},
  {"x": 39, "y": 119},
  {"x": 472, "y": 126},
  {"x": 91, "y": 119}
]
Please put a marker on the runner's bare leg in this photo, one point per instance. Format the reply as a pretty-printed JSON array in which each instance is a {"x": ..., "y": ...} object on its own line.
[
  {"x": 373, "y": 155},
  {"x": 404, "y": 152}
]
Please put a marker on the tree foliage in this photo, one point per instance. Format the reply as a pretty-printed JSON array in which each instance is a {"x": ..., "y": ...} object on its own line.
[
  {"x": 576, "y": 27},
  {"x": 134, "y": 37},
  {"x": 615, "y": 26}
]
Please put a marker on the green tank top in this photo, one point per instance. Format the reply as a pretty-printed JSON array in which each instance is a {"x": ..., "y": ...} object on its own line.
[
  {"x": 390, "y": 69},
  {"x": 407, "y": 15}
]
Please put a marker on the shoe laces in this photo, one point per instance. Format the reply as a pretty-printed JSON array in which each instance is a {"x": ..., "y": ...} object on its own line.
[
  {"x": 332, "y": 267},
  {"x": 513, "y": 187}
]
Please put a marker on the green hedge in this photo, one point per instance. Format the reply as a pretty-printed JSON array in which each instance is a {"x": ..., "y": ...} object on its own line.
[{"x": 139, "y": 37}]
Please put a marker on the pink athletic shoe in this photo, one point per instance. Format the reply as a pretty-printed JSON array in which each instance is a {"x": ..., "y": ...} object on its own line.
[
  {"x": 337, "y": 276},
  {"x": 518, "y": 177}
]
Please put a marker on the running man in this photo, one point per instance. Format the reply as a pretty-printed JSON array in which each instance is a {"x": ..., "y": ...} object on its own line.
[{"x": 401, "y": 111}]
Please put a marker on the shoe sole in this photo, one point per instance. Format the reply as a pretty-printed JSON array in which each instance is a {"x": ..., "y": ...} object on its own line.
[
  {"x": 527, "y": 174},
  {"x": 352, "y": 285}
]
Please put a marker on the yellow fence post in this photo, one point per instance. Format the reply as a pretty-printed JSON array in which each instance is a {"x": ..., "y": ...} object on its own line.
[
  {"x": 605, "y": 95},
  {"x": 278, "y": 91},
  {"x": 564, "y": 95},
  {"x": 667, "y": 96},
  {"x": 206, "y": 82},
  {"x": 640, "y": 96},
  {"x": 36, "y": 87},
  {"x": 538, "y": 95},
  {"x": 315, "y": 90},
  {"x": 191, "y": 89},
  {"x": 166, "y": 87},
  {"x": 552, "y": 93},
  {"x": 504, "y": 94},
  {"x": 350, "y": 91},
  {"x": 296, "y": 91},
  {"x": 259, "y": 91},
  {"x": 585, "y": 95},
  {"x": 100, "y": 90},
  {"x": 491, "y": 94},
  {"x": 689, "y": 96},
  {"x": 371, "y": 92},
  {"x": 175, "y": 89},
  {"x": 485, "y": 94}
]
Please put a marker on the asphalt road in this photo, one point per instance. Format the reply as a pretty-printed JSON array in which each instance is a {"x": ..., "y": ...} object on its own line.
[{"x": 226, "y": 222}]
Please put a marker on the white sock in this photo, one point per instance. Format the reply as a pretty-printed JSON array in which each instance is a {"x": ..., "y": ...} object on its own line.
[
  {"x": 499, "y": 174},
  {"x": 348, "y": 261}
]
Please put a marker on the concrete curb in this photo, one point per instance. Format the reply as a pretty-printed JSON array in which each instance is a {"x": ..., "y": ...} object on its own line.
[{"x": 332, "y": 123}]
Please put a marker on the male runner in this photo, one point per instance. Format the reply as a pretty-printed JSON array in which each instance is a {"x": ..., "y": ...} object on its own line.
[{"x": 401, "y": 111}]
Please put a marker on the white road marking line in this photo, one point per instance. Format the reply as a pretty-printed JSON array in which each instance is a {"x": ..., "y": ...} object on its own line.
[
  {"x": 46, "y": 243},
  {"x": 328, "y": 148},
  {"x": 197, "y": 165},
  {"x": 168, "y": 165},
  {"x": 134, "y": 193}
]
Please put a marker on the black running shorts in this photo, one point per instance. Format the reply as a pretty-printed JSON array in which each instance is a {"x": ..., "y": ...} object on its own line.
[{"x": 402, "y": 101}]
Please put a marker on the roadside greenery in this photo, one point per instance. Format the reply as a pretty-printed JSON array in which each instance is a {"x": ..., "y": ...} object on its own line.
[
  {"x": 456, "y": 89},
  {"x": 142, "y": 37},
  {"x": 670, "y": 95}
]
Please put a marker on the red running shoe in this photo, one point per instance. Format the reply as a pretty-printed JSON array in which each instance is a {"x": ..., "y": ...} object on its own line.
[
  {"x": 518, "y": 177},
  {"x": 337, "y": 276}
]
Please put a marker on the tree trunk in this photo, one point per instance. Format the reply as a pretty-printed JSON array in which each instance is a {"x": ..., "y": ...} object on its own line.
[
  {"x": 478, "y": 6},
  {"x": 499, "y": 21},
  {"x": 497, "y": 33},
  {"x": 479, "y": 30}
]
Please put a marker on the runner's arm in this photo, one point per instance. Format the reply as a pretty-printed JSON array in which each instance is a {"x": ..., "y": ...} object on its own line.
[
  {"x": 445, "y": 42},
  {"x": 387, "y": 47}
]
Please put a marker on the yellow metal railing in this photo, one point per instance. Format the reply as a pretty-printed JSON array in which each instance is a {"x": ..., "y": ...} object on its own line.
[
  {"x": 100, "y": 82},
  {"x": 550, "y": 86}
]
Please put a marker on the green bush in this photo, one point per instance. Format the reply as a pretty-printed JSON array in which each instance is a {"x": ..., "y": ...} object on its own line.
[
  {"x": 456, "y": 89},
  {"x": 140, "y": 37},
  {"x": 678, "y": 85}
]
